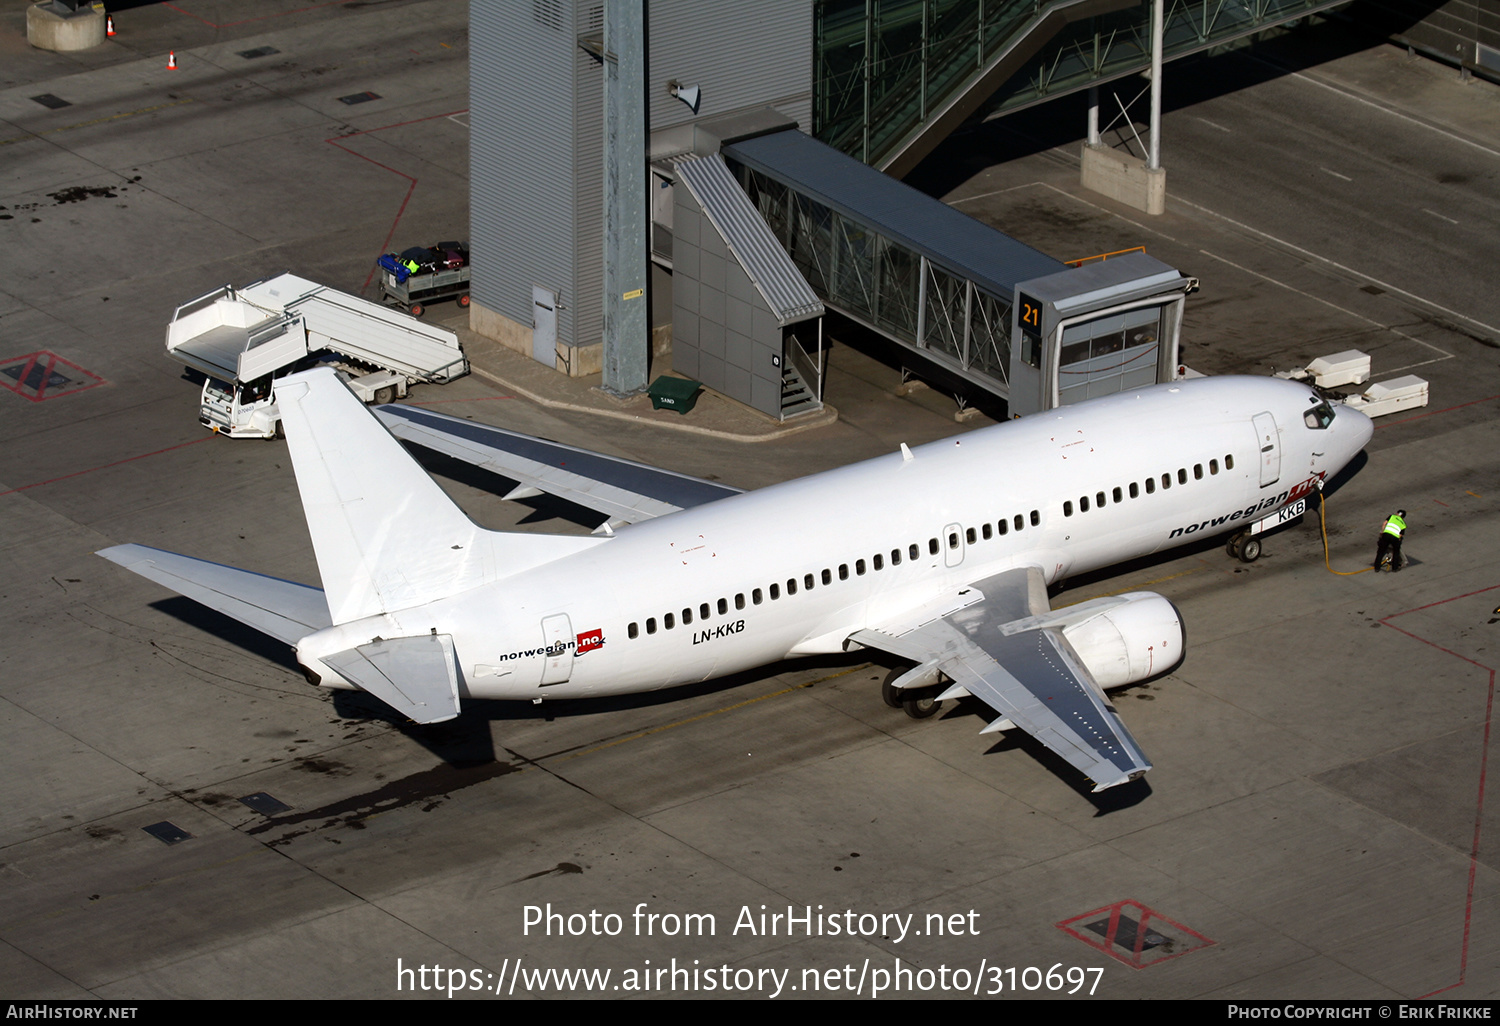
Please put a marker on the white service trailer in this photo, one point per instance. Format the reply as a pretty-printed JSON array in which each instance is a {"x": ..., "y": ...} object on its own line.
[{"x": 242, "y": 339}]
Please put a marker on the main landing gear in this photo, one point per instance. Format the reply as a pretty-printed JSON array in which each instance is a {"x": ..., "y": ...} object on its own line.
[
  {"x": 919, "y": 703},
  {"x": 1244, "y": 547}
]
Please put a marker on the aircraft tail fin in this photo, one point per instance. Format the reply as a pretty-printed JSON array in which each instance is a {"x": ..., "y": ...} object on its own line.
[{"x": 386, "y": 536}]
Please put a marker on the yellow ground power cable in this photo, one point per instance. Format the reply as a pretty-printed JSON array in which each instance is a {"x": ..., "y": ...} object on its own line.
[{"x": 1323, "y": 520}]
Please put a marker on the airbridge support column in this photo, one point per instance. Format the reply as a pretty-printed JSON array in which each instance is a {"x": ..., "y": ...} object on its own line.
[{"x": 1118, "y": 173}]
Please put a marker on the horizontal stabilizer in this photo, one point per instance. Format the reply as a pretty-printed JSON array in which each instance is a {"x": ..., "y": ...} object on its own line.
[
  {"x": 285, "y": 610},
  {"x": 623, "y": 490},
  {"x": 415, "y": 676}
]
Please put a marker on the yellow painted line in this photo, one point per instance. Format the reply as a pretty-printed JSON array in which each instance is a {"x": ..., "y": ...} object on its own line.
[
  {"x": 707, "y": 715},
  {"x": 95, "y": 121}
]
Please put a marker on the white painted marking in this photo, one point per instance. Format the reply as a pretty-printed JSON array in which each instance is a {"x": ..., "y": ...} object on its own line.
[
  {"x": 992, "y": 192},
  {"x": 1347, "y": 270},
  {"x": 1318, "y": 299},
  {"x": 1434, "y": 213},
  {"x": 1378, "y": 106},
  {"x": 1335, "y": 174},
  {"x": 1211, "y": 124}
]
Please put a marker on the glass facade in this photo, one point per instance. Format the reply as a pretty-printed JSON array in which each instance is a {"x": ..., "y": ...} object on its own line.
[
  {"x": 886, "y": 285},
  {"x": 882, "y": 67}
]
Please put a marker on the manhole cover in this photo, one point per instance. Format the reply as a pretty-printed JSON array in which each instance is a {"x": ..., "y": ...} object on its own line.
[
  {"x": 1134, "y": 934},
  {"x": 44, "y": 375}
]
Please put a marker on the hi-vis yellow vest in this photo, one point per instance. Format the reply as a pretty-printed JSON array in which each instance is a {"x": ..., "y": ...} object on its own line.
[{"x": 1395, "y": 526}]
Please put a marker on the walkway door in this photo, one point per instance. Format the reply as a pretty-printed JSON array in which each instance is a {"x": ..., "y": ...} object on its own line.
[
  {"x": 544, "y": 326},
  {"x": 1269, "y": 443},
  {"x": 557, "y": 633}
]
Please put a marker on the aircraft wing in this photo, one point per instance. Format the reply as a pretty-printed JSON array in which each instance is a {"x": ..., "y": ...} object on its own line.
[
  {"x": 1031, "y": 676},
  {"x": 285, "y": 610},
  {"x": 623, "y": 490}
]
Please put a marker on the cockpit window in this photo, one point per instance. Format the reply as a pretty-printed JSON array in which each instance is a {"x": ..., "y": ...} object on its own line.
[{"x": 1319, "y": 417}]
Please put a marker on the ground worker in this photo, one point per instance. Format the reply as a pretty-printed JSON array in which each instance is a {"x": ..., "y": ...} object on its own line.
[{"x": 1389, "y": 546}]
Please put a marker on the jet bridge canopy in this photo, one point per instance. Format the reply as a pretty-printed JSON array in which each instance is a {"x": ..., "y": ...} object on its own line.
[{"x": 945, "y": 286}]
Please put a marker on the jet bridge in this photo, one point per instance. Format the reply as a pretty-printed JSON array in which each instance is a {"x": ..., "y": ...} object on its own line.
[{"x": 963, "y": 299}]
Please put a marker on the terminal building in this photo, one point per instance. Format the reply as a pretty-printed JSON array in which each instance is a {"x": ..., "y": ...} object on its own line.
[{"x": 774, "y": 139}]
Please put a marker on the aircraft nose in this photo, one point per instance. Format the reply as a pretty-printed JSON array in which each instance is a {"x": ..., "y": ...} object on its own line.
[{"x": 1357, "y": 430}]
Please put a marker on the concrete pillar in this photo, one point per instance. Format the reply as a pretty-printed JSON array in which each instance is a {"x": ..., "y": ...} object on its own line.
[{"x": 54, "y": 27}]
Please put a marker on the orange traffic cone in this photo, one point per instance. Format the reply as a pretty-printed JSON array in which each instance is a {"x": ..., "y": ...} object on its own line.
[
  {"x": 171, "y": 60},
  {"x": 109, "y": 25}
]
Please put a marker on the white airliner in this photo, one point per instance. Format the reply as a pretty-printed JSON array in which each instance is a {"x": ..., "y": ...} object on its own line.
[{"x": 939, "y": 555}]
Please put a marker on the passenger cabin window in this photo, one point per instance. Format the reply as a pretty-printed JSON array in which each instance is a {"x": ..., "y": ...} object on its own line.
[
  {"x": 739, "y": 601},
  {"x": 1068, "y": 508},
  {"x": 1213, "y": 466},
  {"x": 791, "y": 586},
  {"x": 1083, "y": 504},
  {"x": 633, "y": 630},
  {"x": 895, "y": 557},
  {"x": 932, "y": 546},
  {"x": 859, "y": 567},
  {"x": 687, "y": 617},
  {"x": 878, "y": 560},
  {"x": 1166, "y": 480},
  {"x": 1118, "y": 497},
  {"x": 1182, "y": 475},
  {"x": 1099, "y": 499},
  {"x": 1135, "y": 490},
  {"x": 988, "y": 532},
  {"x": 807, "y": 581},
  {"x": 775, "y": 592},
  {"x": 650, "y": 625},
  {"x": 724, "y": 605},
  {"x": 1197, "y": 472},
  {"x": 969, "y": 534},
  {"x": 953, "y": 539},
  {"x": 1228, "y": 461},
  {"x": 755, "y": 595},
  {"x": 703, "y": 611},
  {"x": 915, "y": 553},
  {"x": 1003, "y": 527},
  {"x": 669, "y": 621}
]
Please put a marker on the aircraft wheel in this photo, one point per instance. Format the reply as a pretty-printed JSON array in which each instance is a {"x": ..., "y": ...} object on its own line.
[
  {"x": 892, "y": 696},
  {"x": 385, "y": 395},
  {"x": 1249, "y": 550},
  {"x": 1233, "y": 547},
  {"x": 920, "y": 703}
]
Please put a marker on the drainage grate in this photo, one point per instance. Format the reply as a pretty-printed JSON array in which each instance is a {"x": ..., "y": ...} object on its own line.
[
  {"x": 43, "y": 375},
  {"x": 259, "y": 51},
  {"x": 264, "y": 804},
  {"x": 354, "y": 98},
  {"x": 1130, "y": 932},
  {"x": 167, "y": 833},
  {"x": 55, "y": 102}
]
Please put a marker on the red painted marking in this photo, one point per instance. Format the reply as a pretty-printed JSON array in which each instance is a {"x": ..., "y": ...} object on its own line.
[
  {"x": 1484, "y": 755},
  {"x": 1434, "y": 413},
  {"x": 263, "y": 17},
  {"x": 32, "y": 359},
  {"x": 1109, "y": 944},
  {"x": 106, "y": 466},
  {"x": 409, "y": 189}
]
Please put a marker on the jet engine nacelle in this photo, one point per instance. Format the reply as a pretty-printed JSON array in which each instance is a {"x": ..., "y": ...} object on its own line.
[{"x": 1131, "y": 638}]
